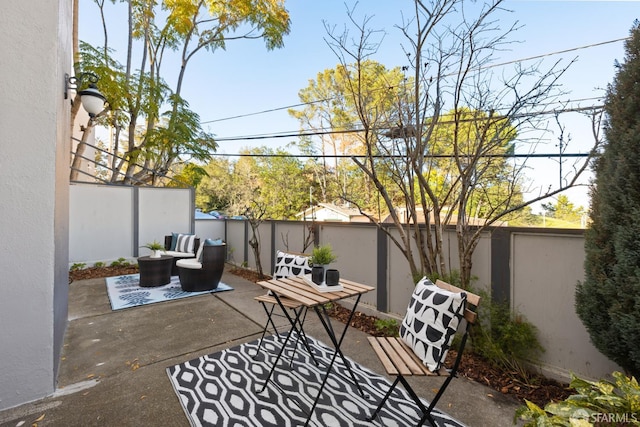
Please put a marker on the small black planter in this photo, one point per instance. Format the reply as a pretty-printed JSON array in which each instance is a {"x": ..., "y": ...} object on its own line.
[{"x": 332, "y": 277}]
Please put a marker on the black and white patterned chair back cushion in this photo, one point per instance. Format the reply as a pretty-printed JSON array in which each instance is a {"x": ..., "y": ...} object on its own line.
[
  {"x": 288, "y": 265},
  {"x": 431, "y": 321}
]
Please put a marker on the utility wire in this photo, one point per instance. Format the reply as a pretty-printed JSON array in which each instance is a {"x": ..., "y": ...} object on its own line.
[
  {"x": 297, "y": 134},
  {"x": 395, "y": 156},
  {"x": 266, "y": 111},
  {"x": 544, "y": 55},
  {"x": 240, "y": 116}
]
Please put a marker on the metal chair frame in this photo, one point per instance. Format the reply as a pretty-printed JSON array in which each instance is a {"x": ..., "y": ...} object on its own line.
[{"x": 400, "y": 361}]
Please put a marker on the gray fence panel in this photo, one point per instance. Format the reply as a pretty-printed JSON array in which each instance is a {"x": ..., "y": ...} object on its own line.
[
  {"x": 236, "y": 241},
  {"x": 211, "y": 229},
  {"x": 545, "y": 270}
]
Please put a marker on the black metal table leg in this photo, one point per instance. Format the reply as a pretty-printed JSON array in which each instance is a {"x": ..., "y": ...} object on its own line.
[
  {"x": 284, "y": 345},
  {"x": 326, "y": 323}
]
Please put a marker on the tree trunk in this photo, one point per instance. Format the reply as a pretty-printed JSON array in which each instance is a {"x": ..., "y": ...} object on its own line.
[{"x": 76, "y": 165}]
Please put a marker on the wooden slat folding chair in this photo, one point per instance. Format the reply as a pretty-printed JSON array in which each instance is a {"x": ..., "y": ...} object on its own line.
[
  {"x": 287, "y": 264},
  {"x": 400, "y": 360}
]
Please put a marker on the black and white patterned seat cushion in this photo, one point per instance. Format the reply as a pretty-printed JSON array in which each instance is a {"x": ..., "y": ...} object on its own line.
[
  {"x": 290, "y": 265},
  {"x": 431, "y": 321}
]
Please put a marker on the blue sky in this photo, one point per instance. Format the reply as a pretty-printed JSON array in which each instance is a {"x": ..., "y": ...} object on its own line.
[{"x": 246, "y": 78}]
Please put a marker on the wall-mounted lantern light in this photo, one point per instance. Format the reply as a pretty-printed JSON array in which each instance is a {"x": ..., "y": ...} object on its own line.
[{"x": 91, "y": 98}]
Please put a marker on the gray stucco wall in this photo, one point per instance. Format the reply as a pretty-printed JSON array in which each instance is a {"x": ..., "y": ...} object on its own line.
[{"x": 34, "y": 135}]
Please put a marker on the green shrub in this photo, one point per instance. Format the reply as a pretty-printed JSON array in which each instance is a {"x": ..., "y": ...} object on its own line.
[
  {"x": 77, "y": 266},
  {"x": 607, "y": 301},
  {"x": 601, "y": 403},
  {"x": 387, "y": 327},
  {"x": 99, "y": 264},
  {"x": 120, "y": 262},
  {"x": 505, "y": 338}
]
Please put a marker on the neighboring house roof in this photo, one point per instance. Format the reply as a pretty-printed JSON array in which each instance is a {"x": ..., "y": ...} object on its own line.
[
  {"x": 203, "y": 215},
  {"x": 331, "y": 212},
  {"x": 401, "y": 212}
]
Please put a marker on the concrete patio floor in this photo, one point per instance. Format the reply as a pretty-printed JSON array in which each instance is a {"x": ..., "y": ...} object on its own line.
[{"x": 113, "y": 368}]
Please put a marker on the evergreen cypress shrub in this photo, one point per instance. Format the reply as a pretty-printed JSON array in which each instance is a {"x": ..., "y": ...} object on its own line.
[{"x": 608, "y": 301}]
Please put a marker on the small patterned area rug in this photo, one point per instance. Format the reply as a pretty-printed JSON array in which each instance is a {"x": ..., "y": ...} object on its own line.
[
  {"x": 125, "y": 292},
  {"x": 221, "y": 389}
]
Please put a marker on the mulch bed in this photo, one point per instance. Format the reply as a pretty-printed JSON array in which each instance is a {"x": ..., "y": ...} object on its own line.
[
  {"x": 98, "y": 272},
  {"x": 540, "y": 390}
]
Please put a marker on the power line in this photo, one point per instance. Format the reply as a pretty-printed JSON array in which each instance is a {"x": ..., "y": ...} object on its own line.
[
  {"x": 271, "y": 110},
  {"x": 531, "y": 58},
  {"x": 396, "y": 156},
  {"x": 319, "y": 132},
  {"x": 265, "y": 111}
]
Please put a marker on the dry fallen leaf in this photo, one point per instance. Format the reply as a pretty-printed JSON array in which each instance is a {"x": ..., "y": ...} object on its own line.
[{"x": 134, "y": 364}]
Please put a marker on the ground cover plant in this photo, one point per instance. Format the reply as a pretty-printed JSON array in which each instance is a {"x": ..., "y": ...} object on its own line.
[{"x": 601, "y": 403}]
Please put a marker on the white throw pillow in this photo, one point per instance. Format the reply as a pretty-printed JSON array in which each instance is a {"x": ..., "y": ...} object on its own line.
[{"x": 431, "y": 321}]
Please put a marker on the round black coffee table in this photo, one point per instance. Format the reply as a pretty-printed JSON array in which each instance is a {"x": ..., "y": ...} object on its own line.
[{"x": 155, "y": 271}]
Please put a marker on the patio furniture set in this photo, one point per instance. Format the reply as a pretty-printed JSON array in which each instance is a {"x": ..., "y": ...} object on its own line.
[
  {"x": 433, "y": 315},
  {"x": 198, "y": 264}
]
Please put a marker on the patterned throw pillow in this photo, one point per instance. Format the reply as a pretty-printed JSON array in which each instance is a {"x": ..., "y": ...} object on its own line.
[
  {"x": 290, "y": 265},
  {"x": 185, "y": 242},
  {"x": 431, "y": 322}
]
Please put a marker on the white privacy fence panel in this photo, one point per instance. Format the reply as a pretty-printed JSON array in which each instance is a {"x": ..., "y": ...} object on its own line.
[
  {"x": 162, "y": 211},
  {"x": 111, "y": 222},
  {"x": 101, "y": 221}
]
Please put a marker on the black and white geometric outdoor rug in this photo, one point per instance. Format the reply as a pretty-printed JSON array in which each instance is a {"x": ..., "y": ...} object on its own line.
[
  {"x": 221, "y": 389},
  {"x": 125, "y": 291}
]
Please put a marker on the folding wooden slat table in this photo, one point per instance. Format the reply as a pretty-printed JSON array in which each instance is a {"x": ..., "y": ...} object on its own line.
[{"x": 297, "y": 289}]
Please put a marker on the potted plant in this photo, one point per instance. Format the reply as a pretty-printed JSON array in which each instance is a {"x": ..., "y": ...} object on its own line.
[
  {"x": 155, "y": 248},
  {"x": 321, "y": 257}
]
